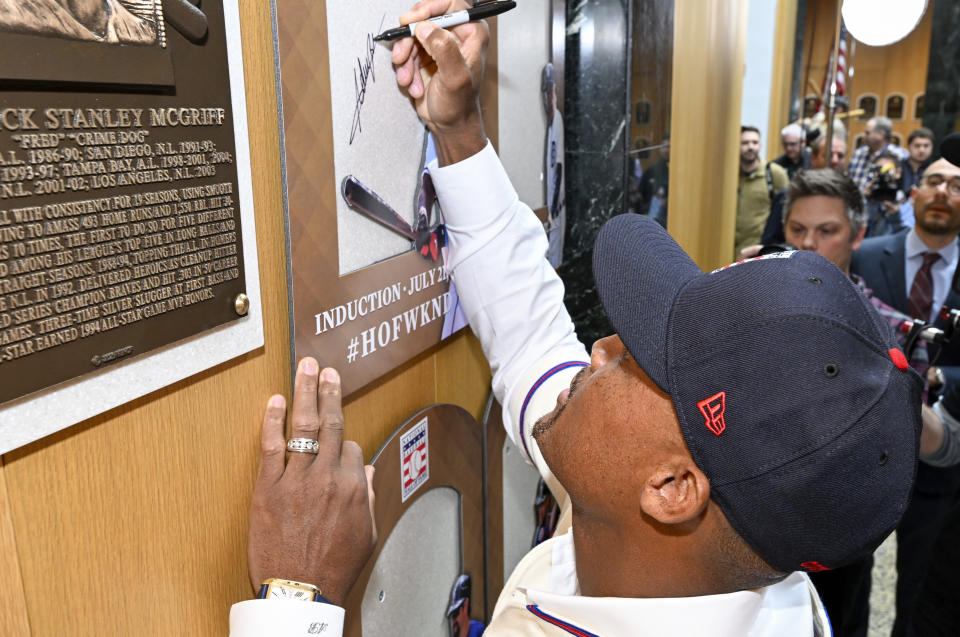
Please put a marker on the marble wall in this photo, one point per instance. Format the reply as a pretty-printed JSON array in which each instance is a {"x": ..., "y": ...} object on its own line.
[
  {"x": 597, "y": 51},
  {"x": 943, "y": 71}
]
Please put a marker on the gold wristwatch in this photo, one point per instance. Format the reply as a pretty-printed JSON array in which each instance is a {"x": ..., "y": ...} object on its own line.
[{"x": 275, "y": 588}]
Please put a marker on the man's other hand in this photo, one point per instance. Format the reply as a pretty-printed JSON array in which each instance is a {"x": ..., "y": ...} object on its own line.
[
  {"x": 442, "y": 70},
  {"x": 311, "y": 519}
]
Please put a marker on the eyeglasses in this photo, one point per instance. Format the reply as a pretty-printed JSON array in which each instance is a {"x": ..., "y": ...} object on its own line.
[{"x": 933, "y": 182}]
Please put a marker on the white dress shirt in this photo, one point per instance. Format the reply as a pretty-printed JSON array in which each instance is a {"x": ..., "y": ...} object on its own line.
[{"x": 546, "y": 579}]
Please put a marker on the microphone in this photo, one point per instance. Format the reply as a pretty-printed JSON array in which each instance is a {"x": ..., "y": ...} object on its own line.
[
  {"x": 950, "y": 148},
  {"x": 925, "y": 332},
  {"x": 917, "y": 330}
]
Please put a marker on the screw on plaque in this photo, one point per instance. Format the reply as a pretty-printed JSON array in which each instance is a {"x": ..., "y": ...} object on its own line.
[{"x": 241, "y": 304}]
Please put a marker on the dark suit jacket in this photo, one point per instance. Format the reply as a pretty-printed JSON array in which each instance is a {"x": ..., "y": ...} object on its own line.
[
  {"x": 880, "y": 261},
  {"x": 773, "y": 231}
]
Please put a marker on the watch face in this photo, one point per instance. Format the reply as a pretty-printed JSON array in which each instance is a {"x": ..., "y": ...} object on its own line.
[{"x": 289, "y": 591}]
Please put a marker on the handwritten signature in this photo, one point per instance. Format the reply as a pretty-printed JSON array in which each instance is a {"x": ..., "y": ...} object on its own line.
[{"x": 361, "y": 76}]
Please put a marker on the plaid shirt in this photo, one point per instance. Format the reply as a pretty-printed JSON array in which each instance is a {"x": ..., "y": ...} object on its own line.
[
  {"x": 895, "y": 318},
  {"x": 862, "y": 159}
]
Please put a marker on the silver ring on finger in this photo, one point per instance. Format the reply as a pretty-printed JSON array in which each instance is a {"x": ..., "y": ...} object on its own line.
[{"x": 303, "y": 445}]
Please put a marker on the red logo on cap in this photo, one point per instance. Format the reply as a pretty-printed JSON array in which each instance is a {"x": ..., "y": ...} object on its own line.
[
  {"x": 814, "y": 567},
  {"x": 712, "y": 409}
]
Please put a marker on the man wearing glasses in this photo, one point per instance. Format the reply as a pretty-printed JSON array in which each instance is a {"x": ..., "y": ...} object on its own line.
[
  {"x": 913, "y": 272},
  {"x": 795, "y": 156}
]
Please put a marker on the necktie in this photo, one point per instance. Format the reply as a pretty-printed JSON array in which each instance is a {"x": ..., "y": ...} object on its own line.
[{"x": 921, "y": 291}]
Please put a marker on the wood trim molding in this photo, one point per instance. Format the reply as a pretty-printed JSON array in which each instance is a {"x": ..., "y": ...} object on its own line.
[
  {"x": 784, "y": 40},
  {"x": 708, "y": 55}
]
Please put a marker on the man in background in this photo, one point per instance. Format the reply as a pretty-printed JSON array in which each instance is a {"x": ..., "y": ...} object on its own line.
[
  {"x": 913, "y": 272},
  {"x": 758, "y": 187},
  {"x": 909, "y": 173},
  {"x": 838, "y": 154},
  {"x": 824, "y": 214},
  {"x": 773, "y": 230},
  {"x": 888, "y": 211},
  {"x": 920, "y": 151},
  {"x": 876, "y": 139},
  {"x": 795, "y": 155}
]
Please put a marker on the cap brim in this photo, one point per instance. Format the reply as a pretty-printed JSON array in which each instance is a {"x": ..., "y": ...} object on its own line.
[
  {"x": 639, "y": 271},
  {"x": 452, "y": 608}
]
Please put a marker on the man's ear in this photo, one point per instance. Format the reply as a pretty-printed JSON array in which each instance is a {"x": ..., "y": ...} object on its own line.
[
  {"x": 858, "y": 240},
  {"x": 677, "y": 491}
]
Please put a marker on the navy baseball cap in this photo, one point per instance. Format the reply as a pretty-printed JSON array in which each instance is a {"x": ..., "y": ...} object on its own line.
[
  {"x": 459, "y": 593},
  {"x": 792, "y": 393}
]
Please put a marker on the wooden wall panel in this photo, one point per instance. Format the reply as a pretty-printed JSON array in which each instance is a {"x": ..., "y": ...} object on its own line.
[
  {"x": 463, "y": 376},
  {"x": 880, "y": 71},
  {"x": 135, "y": 522},
  {"x": 373, "y": 413},
  {"x": 13, "y": 608},
  {"x": 709, "y": 43}
]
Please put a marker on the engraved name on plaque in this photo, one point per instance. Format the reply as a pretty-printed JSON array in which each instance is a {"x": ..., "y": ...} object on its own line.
[{"x": 119, "y": 210}]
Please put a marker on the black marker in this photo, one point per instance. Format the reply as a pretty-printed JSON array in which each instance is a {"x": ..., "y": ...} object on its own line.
[{"x": 479, "y": 12}]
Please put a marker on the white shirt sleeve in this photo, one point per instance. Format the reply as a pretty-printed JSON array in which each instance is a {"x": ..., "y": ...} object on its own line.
[
  {"x": 509, "y": 292},
  {"x": 271, "y": 617}
]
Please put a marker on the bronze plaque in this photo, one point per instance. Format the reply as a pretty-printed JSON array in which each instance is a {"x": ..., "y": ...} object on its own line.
[{"x": 119, "y": 215}]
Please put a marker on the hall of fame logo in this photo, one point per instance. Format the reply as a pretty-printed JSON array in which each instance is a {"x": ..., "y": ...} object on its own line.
[{"x": 414, "y": 459}]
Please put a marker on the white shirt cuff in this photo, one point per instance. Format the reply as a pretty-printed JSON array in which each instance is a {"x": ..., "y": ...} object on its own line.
[{"x": 270, "y": 617}]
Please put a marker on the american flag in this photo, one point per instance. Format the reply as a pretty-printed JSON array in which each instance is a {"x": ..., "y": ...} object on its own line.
[{"x": 841, "y": 71}]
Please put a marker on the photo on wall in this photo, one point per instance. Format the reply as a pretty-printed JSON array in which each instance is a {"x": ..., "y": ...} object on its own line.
[
  {"x": 368, "y": 287},
  {"x": 553, "y": 167},
  {"x": 530, "y": 95}
]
